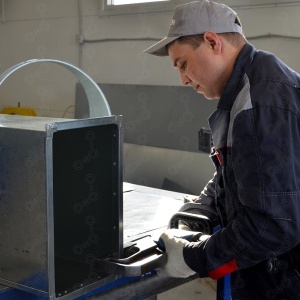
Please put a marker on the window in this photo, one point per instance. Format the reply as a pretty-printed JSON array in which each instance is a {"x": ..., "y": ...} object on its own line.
[
  {"x": 122, "y": 2},
  {"x": 123, "y": 7}
]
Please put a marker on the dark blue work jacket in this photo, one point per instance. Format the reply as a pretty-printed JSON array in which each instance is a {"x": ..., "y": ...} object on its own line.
[{"x": 255, "y": 192}]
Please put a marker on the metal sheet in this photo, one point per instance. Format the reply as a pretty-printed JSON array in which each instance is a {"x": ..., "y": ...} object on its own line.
[{"x": 147, "y": 211}]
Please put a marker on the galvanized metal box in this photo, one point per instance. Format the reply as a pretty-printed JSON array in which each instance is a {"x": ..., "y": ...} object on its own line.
[{"x": 60, "y": 203}]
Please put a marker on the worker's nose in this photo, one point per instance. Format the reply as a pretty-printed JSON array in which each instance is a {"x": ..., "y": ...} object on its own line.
[{"x": 185, "y": 80}]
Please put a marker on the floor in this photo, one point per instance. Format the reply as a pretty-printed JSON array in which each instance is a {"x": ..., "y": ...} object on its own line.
[{"x": 193, "y": 290}]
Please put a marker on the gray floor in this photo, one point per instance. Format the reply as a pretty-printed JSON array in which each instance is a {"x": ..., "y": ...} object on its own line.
[{"x": 204, "y": 289}]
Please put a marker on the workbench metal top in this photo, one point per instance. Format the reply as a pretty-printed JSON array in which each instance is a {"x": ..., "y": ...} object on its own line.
[
  {"x": 146, "y": 212},
  {"x": 147, "y": 209}
]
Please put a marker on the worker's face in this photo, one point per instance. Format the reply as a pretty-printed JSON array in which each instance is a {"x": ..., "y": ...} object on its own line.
[{"x": 201, "y": 67}]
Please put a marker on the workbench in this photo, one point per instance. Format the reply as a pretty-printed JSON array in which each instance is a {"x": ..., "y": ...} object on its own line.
[{"x": 146, "y": 213}]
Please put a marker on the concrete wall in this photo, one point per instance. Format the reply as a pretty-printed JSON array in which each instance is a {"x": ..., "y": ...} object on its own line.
[{"x": 48, "y": 28}]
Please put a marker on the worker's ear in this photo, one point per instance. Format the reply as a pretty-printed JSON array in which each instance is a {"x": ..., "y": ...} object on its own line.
[{"x": 213, "y": 41}]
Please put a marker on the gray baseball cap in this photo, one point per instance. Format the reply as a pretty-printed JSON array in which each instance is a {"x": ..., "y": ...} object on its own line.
[{"x": 196, "y": 18}]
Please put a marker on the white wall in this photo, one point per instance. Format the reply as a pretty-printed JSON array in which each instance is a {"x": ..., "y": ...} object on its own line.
[{"x": 48, "y": 28}]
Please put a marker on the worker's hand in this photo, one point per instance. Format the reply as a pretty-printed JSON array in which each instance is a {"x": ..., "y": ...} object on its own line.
[{"x": 175, "y": 266}]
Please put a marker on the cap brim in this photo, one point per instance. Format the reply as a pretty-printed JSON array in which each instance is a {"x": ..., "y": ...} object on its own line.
[{"x": 159, "y": 48}]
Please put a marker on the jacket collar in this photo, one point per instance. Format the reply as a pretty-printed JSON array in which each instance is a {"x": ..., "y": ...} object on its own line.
[{"x": 235, "y": 82}]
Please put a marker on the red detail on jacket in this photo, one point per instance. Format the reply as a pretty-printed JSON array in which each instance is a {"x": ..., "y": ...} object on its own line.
[
  {"x": 222, "y": 271},
  {"x": 219, "y": 157}
]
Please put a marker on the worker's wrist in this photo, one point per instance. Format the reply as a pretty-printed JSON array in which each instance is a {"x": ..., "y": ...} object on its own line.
[{"x": 194, "y": 259}]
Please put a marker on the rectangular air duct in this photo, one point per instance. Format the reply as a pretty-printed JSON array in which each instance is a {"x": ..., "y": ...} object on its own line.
[{"x": 60, "y": 203}]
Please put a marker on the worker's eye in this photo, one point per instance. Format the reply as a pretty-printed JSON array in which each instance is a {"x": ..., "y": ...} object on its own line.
[{"x": 182, "y": 66}]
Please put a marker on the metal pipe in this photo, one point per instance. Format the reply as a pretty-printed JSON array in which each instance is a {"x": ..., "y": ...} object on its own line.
[
  {"x": 272, "y": 35},
  {"x": 265, "y": 5},
  {"x": 80, "y": 35},
  {"x": 2, "y": 12}
]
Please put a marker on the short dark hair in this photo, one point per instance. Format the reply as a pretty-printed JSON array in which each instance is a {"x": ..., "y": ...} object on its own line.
[
  {"x": 234, "y": 38},
  {"x": 194, "y": 40}
]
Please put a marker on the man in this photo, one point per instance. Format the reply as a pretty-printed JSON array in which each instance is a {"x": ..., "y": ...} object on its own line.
[{"x": 255, "y": 193}]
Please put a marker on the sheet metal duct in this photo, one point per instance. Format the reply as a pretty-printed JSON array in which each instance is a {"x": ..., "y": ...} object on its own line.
[
  {"x": 60, "y": 202},
  {"x": 60, "y": 197}
]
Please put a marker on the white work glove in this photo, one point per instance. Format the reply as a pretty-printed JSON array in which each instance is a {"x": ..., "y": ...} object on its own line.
[
  {"x": 175, "y": 266},
  {"x": 183, "y": 226}
]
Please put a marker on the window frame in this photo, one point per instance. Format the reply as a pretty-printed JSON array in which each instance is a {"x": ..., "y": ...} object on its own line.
[{"x": 137, "y": 8}]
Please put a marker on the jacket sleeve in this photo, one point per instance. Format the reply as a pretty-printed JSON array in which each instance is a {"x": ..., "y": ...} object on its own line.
[
  {"x": 264, "y": 191},
  {"x": 204, "y": 205}
]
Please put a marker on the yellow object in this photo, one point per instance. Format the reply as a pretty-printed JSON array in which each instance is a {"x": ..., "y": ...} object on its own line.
[{"x": 23, "y": 111}]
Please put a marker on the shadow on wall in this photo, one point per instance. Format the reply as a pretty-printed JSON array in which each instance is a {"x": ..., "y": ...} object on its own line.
[
  {"x": 161, "y": 125},
  {"x": 174, "y": 170}
]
